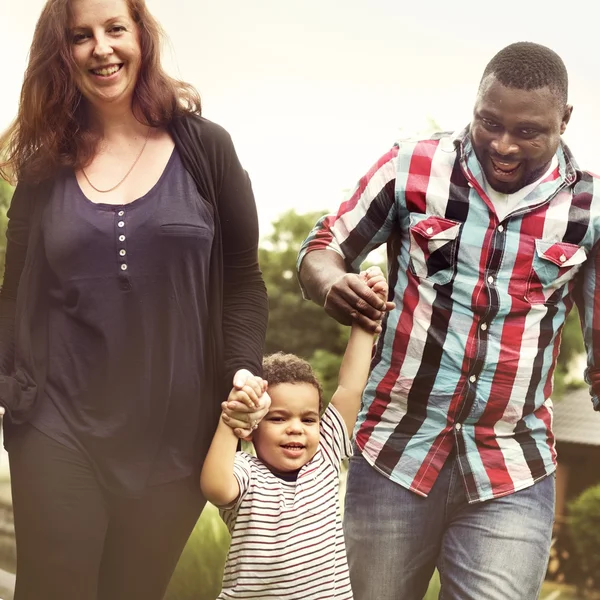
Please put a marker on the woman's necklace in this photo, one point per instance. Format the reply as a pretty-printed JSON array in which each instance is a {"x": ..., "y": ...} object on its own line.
[{"x": 114, "y": 187}]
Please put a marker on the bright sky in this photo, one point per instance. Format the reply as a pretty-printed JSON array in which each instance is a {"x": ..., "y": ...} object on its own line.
[{"x": 314, "y": 91}]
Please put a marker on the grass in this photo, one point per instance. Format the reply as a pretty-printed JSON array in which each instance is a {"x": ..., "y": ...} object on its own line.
[{"x": 200, "y": 570}]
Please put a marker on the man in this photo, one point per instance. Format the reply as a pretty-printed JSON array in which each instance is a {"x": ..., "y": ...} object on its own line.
[{"x": 489, "y": 233}]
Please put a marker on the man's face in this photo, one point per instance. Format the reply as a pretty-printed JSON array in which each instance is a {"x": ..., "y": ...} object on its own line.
[{"x": 516, "y": 133}]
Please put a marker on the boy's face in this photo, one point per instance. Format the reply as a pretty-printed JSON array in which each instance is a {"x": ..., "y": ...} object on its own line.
[{"x": 288, "y": 437}]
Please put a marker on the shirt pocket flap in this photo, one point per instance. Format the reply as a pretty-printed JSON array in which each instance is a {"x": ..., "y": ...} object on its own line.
[
  {"x": 436, "y": 228},
  {"x": 434, "y": 233},
  {"x": 433, "y": 247},
  {"x": 562, "y": 254}
]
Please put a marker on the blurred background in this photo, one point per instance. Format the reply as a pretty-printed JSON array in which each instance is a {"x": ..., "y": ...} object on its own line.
[{"x": 313, "y": 92}]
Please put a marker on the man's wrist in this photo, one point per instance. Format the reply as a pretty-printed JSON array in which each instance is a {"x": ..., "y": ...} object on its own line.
[{"x": 324, "y": 294}]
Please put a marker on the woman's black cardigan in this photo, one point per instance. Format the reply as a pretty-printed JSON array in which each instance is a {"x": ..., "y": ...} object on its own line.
[{"x": 238, "y": 297}]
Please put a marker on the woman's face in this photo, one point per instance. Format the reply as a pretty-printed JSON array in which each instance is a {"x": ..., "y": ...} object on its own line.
[{"x": 106, "y": 49}]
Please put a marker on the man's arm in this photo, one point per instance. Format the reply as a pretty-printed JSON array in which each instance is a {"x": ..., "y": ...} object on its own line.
[
  {"x": 589, "y": 314},
  {"x": 345, "y": 296},
  {"x": 331, "y": 256}
]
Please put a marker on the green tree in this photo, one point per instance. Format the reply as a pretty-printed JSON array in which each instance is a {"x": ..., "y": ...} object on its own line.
[
  {"x": 297, "y": 325},
  {"x": 570, "y": 348},
  {"x": 584, "y": 526}
]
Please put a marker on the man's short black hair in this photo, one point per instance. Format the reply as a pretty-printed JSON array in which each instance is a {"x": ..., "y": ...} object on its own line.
[{"x": 529, "y": 66}]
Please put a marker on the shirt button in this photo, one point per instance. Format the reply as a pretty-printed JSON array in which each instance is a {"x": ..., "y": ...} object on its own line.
[
  {"x": 473, "y": 378},
  {"x": 500, "y": 228},
  {"x": 563, "y": 258},
  {"x": 122, "y": 252},
  {"x": 121, "y": 213},
  {"x": 430, "y": 230},
  {"x": 483, "y": 326},
  {"x": 490, "y": 279},
  {"x": 121, "y": 238},
  {"x": 469, "y": 184},
  {"x": 458, "y": 427},
  {"x": 123, "y": 267},
  {"x": 121, "y": 224}
]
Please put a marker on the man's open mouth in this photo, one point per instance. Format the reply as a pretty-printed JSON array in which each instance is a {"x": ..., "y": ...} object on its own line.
[
  {"x": 504, "y": 168},
  {"x": 293, "y": 446}
]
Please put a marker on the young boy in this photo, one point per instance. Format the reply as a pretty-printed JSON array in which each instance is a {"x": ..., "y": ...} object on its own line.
[{"x": 282, "y": 506}]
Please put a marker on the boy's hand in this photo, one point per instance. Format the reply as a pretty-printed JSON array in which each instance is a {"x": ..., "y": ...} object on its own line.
[
  {"x": 376, "y": 280},
  {"x": 247, "y": 403}
]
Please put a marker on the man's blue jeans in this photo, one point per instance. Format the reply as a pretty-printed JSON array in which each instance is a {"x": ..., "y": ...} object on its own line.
[{"x": 494, "y": 550}]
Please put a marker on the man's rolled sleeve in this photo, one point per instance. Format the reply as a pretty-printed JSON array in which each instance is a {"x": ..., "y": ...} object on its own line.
[{"x": 363, "y": 222}]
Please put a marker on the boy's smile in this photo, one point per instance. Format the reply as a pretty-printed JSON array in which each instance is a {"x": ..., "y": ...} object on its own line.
[{"x": 288, "y": 437}]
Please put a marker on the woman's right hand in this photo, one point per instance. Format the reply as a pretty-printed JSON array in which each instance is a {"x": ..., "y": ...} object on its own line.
[{"x": 247, "y": 403}]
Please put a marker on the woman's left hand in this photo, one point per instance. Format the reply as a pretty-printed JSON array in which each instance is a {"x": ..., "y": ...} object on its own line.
[{"x": 243, "y": 418}]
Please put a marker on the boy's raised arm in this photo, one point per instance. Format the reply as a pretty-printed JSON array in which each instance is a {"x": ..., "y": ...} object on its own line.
[
  {"x": 217, "y": 481},
  {"x": 354, "y": 370}
]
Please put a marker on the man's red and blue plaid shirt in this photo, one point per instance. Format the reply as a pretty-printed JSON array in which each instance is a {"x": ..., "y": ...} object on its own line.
[{"x": 465, "y": 361}]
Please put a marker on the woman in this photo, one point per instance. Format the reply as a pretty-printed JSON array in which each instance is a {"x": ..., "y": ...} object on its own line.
[{"x": 132, "y": 298}]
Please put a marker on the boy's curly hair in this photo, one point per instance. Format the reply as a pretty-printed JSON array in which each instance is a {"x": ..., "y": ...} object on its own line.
[{"x": 289, "y": 368}]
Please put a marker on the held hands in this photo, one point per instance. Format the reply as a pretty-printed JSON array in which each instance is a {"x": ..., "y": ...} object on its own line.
[
  {"x": 361, "y": 298},
  {"x": 376, "y": 280},
  {"x": 247, "y": 404}
]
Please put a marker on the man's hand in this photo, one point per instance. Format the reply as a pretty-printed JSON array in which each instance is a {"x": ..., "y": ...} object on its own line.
[
  {"x": 351, "y": 299},
  {"x": 377, "y": 282}
]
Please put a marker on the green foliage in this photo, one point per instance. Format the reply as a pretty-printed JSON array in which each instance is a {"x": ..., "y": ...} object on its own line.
[
  {"x": 571, "y": 346},
  {"x": 572, "y": 339},
  {"x": 327, "y": 367},
  {"x": 434, "y": 587},
  {"x": 199, "y": 572},
  {"x": 584, "y": 524},
  {"x": 295, "y": 325}
]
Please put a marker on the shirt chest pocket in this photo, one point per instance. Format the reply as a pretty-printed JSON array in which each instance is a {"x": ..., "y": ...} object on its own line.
[
  {"x": 433, "y": 247},
  {"x": 554, "y": 265},
  {"x": 186, "y": 230}
]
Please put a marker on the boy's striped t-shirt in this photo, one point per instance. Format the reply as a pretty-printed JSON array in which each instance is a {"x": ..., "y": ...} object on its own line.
[{"x": 286, "y": 537}]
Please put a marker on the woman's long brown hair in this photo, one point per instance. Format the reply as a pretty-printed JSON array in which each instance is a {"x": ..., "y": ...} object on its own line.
[{"x": 52, "y": 130}]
